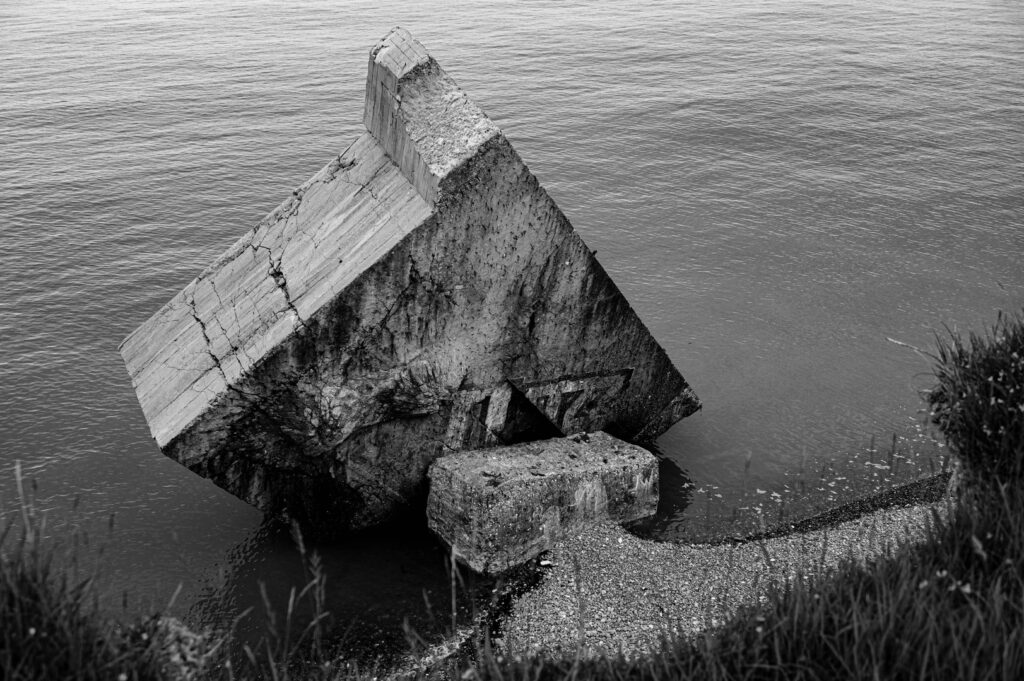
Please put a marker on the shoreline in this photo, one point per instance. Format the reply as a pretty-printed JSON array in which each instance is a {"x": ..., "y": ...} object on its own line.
[
  {"x": 610, "y": 576},
  {"x": 918, "y": 492},
  {"x": 608, "y": 591}
]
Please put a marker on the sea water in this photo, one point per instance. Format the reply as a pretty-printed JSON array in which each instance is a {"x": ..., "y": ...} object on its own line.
[{"x": 796, "y": 196}]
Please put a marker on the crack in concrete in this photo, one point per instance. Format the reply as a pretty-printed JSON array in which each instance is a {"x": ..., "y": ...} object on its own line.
[
  {"x": 293, "y": 212},
  {"x": 272, "y": 226},
  {"x": 285, "y": 211},
  {"x": 336, "y": 166},
  {"x": 277, "y": 274},
  {"x": 414, "y": 277},
  {"x": 238, "y": 322},
  {"x": 206, "y": 337},
  {"x": 191, "y": 301},
  {"x": 216, "y": 317},
  {"x": 380, "y": 170}
]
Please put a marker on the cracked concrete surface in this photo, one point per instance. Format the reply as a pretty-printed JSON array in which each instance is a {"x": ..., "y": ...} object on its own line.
[
  {"x": 498, "y": 508},
  {"x": 362, "y": 327}
]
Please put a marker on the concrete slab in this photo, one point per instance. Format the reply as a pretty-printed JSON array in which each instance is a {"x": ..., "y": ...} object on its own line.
[{"x": 500, "y": 507}]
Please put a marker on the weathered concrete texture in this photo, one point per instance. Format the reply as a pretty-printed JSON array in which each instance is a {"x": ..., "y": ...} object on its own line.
[
  {"x": 499, "y": 507},
  {"x": 420, "y": 294}
]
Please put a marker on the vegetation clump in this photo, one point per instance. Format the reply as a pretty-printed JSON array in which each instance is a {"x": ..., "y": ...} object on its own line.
[
  {"x": 50, "y": 623},
  {"x": 979, "y": 401}
]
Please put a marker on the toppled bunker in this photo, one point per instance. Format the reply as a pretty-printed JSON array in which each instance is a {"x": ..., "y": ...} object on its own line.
[{"x": 421, "y": 294}]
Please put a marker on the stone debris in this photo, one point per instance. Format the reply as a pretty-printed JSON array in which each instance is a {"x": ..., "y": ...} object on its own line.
[
  {"x": 421, "y": 294},
  {"x": 499, "y": 508}
]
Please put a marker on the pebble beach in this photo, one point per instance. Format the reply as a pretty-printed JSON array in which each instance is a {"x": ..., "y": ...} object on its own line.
[{"x": 606, "y": 590}]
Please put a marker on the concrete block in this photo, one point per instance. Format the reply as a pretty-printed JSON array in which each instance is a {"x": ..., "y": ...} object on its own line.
[
  {"x": 420, "y": 294},
  {"x": 500, "y": 507}
]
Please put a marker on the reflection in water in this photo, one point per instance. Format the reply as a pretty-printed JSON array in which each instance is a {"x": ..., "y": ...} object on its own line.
[
  {"x": 382, "y": 586},
  {"x": 675, "y": 492}
]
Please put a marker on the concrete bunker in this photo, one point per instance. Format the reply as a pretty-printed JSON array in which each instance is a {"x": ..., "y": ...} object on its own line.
[{"x": 420, "y": 295}]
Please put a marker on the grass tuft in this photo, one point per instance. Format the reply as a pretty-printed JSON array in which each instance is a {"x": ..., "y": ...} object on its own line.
[
  {"x": 978, "y": 403},
  {"x": 50, "y": 626}
]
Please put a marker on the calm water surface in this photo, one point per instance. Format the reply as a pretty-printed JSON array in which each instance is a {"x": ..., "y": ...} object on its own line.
[{"x": 778, "y": 187}]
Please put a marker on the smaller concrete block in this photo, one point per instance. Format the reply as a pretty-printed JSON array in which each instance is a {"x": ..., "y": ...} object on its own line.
[{"x": 499, "y": 507}]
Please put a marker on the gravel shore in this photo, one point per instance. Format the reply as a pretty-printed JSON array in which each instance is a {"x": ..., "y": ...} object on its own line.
[{"x": 607, "y": 590}]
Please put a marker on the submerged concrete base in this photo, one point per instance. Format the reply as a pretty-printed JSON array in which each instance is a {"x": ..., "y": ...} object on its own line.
[{"x": 498, "y": 508}]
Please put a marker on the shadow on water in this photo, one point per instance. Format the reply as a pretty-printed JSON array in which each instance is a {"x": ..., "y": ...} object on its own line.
[
  {"x": 675, "y": 494},
  {"x": 388, "y": 589}
]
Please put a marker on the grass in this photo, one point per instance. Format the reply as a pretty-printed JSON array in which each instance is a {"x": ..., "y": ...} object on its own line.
[
  {"x": 951, "y": 607},
  {"x": 49, "y": 622},
  {"x": 52, "y": 626},
  {"x": 979, "y": 401}
]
